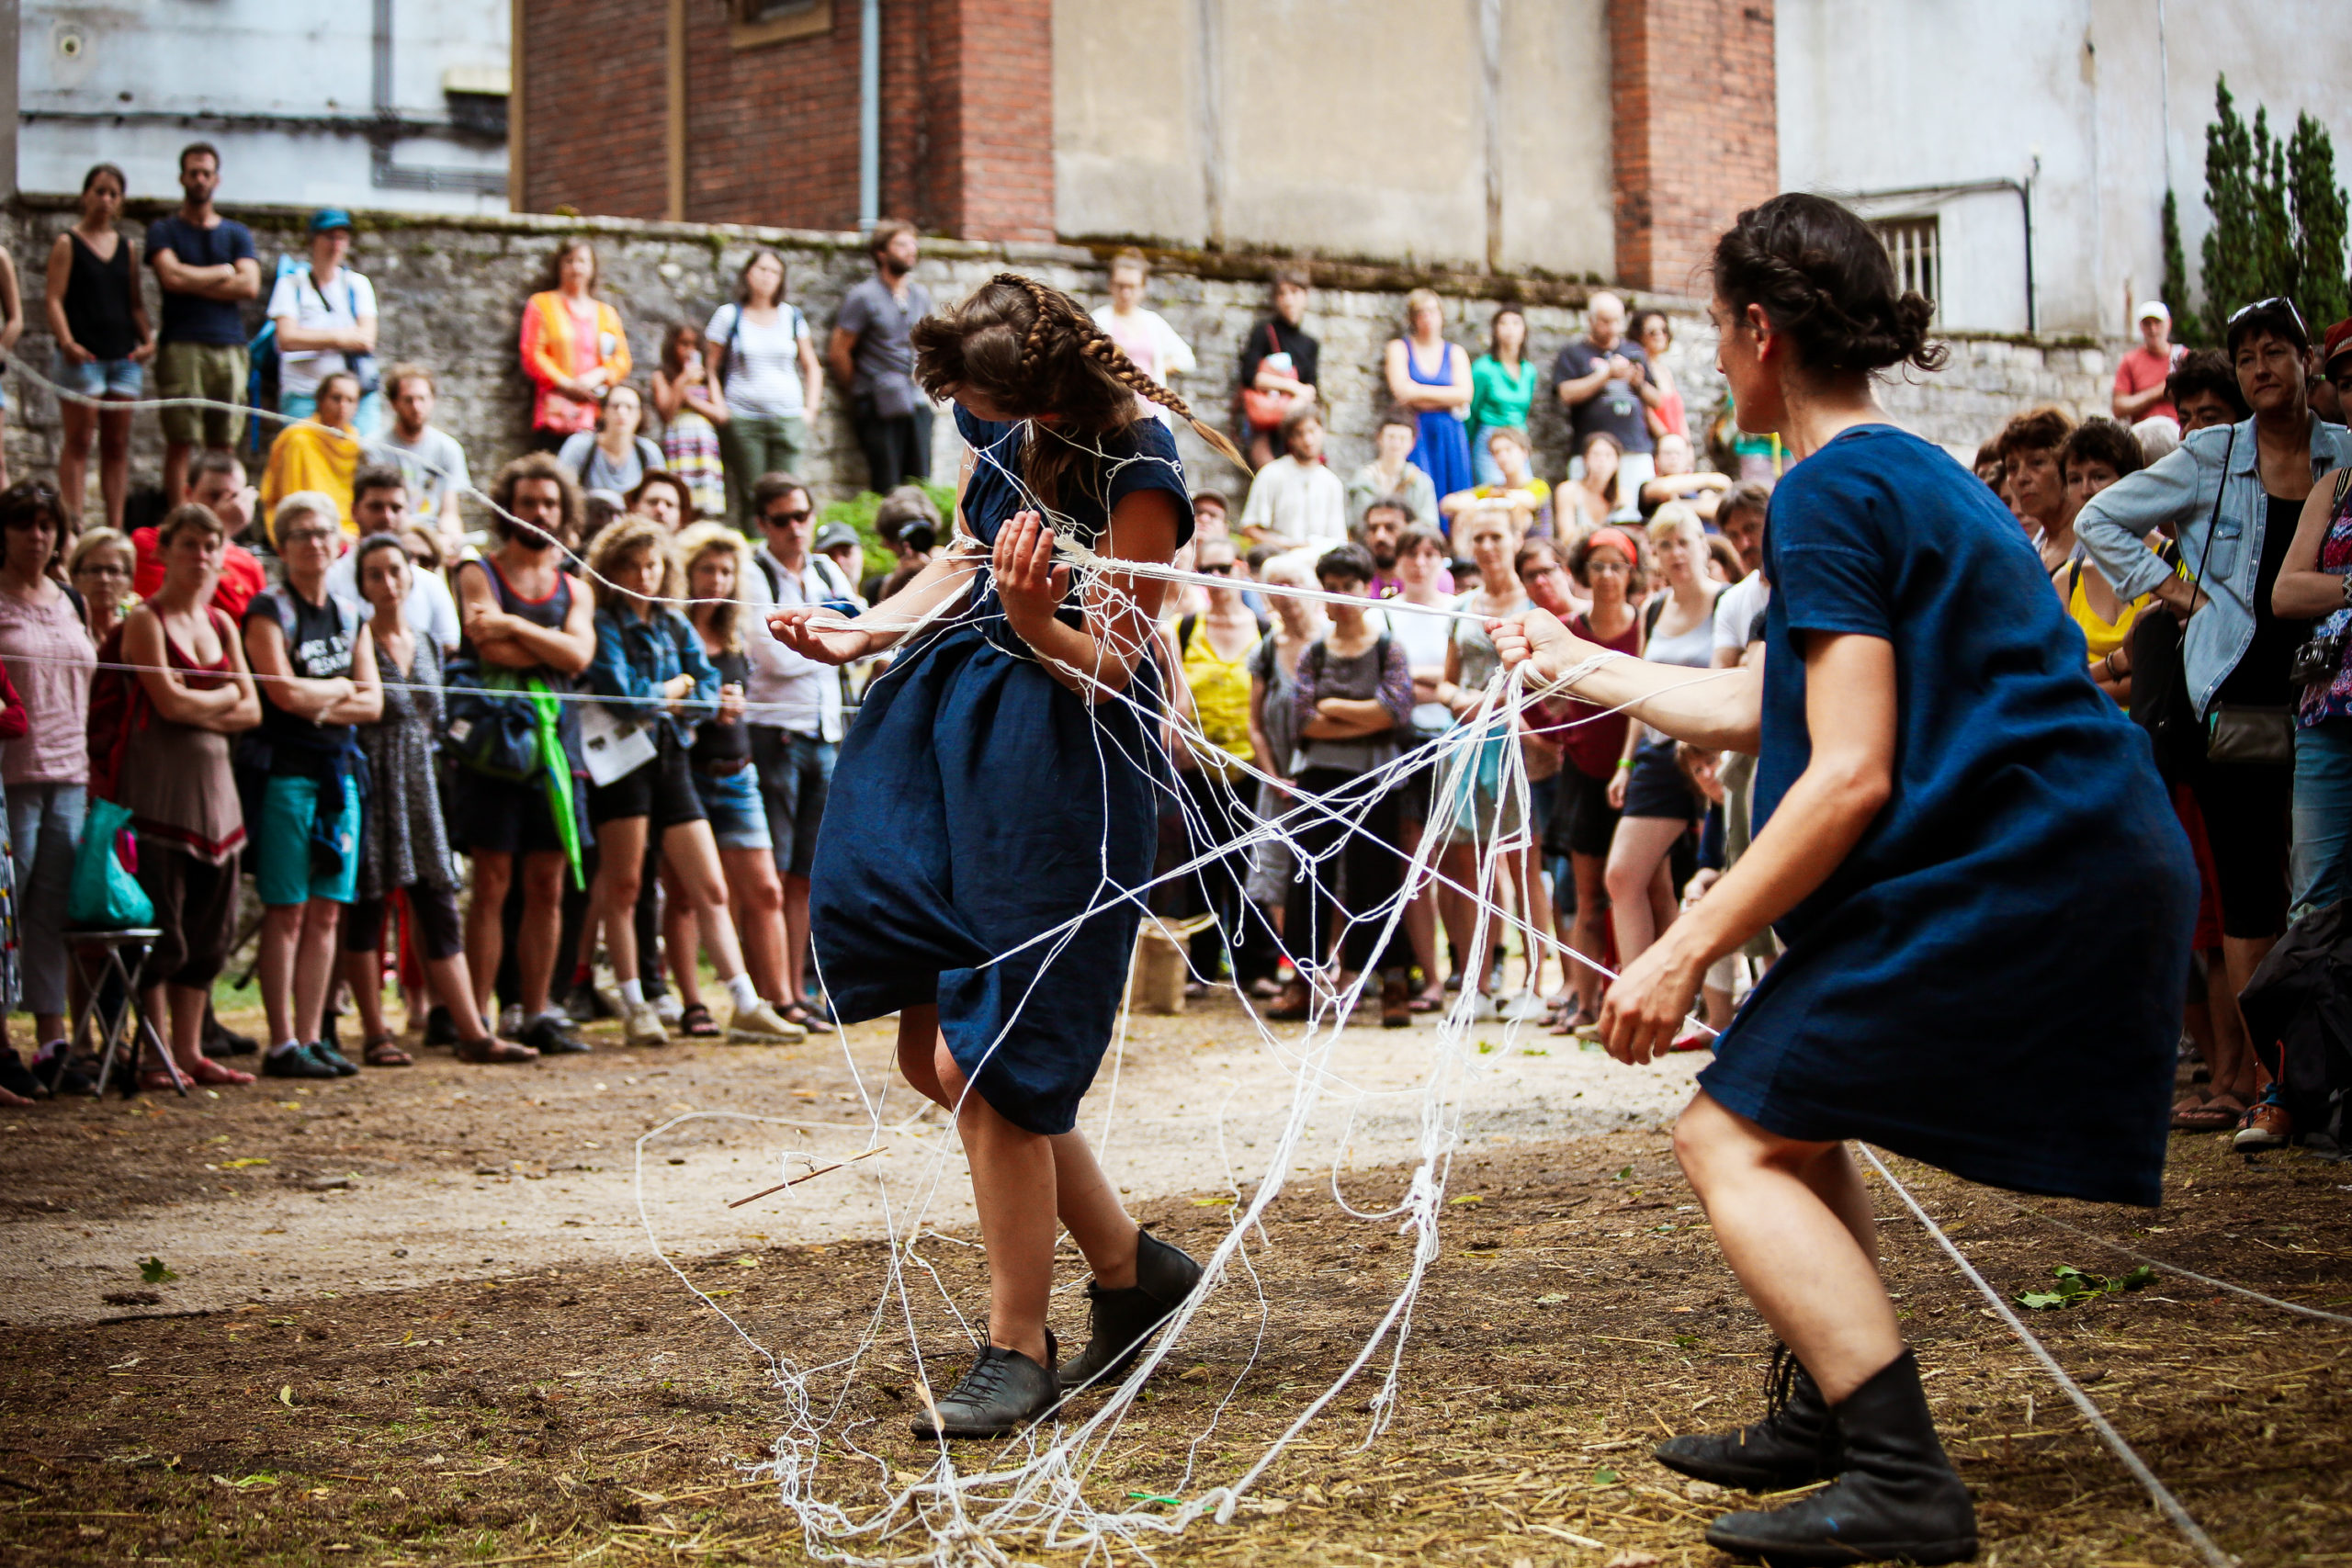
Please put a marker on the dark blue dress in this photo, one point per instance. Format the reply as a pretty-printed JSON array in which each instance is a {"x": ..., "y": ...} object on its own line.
[
  {"x": 1992, "y": 979},
  {"x": 979, "y": 803},
  {"x": 1442, "y": 442}
]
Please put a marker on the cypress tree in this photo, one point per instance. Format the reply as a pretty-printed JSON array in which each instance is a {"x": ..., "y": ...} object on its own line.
[
  {"x": 2321, "y": 287},
  {"x": 2175, "y": 293},
  {"x": 2230, "y": 271}
]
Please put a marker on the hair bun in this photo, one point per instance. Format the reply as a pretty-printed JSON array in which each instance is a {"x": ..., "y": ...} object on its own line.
[{"x": 1825, "y": 279}]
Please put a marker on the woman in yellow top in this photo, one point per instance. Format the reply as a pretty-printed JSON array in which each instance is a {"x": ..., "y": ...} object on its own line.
[
  {"x": 1528, "y": 498},
  {"x": 1213, "y": 650},
  {"x": 2097, "y": 454},
  {"x": 323, "y": 453},
  {"x": 574, "y": 349}
]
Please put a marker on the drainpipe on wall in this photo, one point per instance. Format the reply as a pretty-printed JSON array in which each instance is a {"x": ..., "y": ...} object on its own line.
[{"x": 869, "y": 115}]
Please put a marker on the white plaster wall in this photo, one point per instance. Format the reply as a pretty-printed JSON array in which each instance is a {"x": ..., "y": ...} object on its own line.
[
  {"x": 1876, "y": 94},
  {"x": 1349, "y": 128},
  {"x": 203, "y": 58}
]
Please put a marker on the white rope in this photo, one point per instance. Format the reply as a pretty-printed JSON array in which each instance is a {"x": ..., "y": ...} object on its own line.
[{"x": 2156, "y": 1489}]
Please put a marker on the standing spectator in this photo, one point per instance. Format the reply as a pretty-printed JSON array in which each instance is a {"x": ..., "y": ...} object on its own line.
[
  {"x": 103, "y": 341},
  {"x": 2030, "y": 443},
  {"x": 1296, "y": 499},
  {"x": 612, "y": 456},
  {"x": 1143, "y": 335},
  {"x": 1430, "y": 378},
  {"x": 1392, "y": 471},
  {"x": 2335, "y": 367},
  {"x": 1599, "y": 491},
  {"x": 764, "y": 359},
  {"x": 325, "y": 317},
  {"x": 1667, "y": 416},
  {"x": 184, "y": 692},
  {"x": 317, "y": 676},
  {"x": 1352, "y": 705},
  {"x": 908, "y": 522},
  {"x": 321, "y": 454},
  {"x": 216, "y": 482},
  {"x": 2233, "y": 498},
  {"x": 646, "y": 651},
  {"x": 2098, "y": 453},
  {"x": 99, "y": 568},
  {"x": 1213, "y": 650},
  {"x": 380, "y": 503},
  {"x": 838, "y": 542},
  {"x": 49, "y": 657},
  {"x": 12, "y": 327},
  {"x": 871, "y": 354},
  {"x": 2315, "y": 583},
  {"x": 717, "y": 571},
  {"x": 1381, "y": 529},
  {"x": 1651, "y": 791},
  {"x": 1603, "y": 382},
  {"x": 1607, "y": 563},
  {"x": 663, "y": 497},
  {"x": 1422, "y": 578},
  {"x": 692, "y": 412},
  {"x": 403, "y": 846},
  {"x": 794, "y": 711},
  {"x": 2204, "y": 388},
  {"x": 1273, "y": 735},
  {"x": 205, "y": 264},
  {"x": 526, "y": 623},
  {"x": 1279, "y": 365},
  {"x": 574, "y": 349},
  {"x": 431, "y": 462},
  {"x": 2141, "y": 374},
  {"x": 1502, "y": 389}
]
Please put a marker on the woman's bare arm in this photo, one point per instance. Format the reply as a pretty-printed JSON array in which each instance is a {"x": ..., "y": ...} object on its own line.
[
  {"x": 1121, "y": 611},
  {"x": 2303, "y": 592},
  {"x": 1719, "y": 710}
]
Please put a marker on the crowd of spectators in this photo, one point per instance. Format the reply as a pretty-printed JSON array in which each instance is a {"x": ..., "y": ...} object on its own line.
[{"x": 325, "y": 678}]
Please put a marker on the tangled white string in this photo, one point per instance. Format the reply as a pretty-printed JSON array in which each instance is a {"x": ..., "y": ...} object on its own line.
[{"x": 1037, "y": 1488}]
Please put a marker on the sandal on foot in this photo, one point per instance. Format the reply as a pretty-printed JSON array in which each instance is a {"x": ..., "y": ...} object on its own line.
[
  {"x": 490, "y": 1049},
  {"x": 807, "y": 1017},
  {"x": 2219, "y": 1113},
  {"x": 384, "y": 1050},
  {"x": 696, "y": 1024}
]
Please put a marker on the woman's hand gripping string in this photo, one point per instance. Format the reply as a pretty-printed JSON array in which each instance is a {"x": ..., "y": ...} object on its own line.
[{"x": 1027, "y": 580}]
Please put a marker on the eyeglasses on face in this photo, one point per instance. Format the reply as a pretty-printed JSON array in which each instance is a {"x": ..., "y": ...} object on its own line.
[
  {"x": 1221, "y": 567},
  {"x": 95, "y": 569},
  {"x": 785, "y": 519},
  {"x": 305, "y": 537}
]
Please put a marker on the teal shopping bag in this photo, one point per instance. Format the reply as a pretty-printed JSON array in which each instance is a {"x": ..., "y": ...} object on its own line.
[{"x": 104, "y": 895}]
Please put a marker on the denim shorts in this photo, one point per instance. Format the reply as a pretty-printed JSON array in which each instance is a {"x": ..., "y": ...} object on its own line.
[
  {"x": 738, "y": 817},
  {"x": 100, "y": 378}
]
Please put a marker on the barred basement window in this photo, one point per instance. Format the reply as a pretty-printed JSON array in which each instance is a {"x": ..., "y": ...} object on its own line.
[{"x": 1912, "y": 244}]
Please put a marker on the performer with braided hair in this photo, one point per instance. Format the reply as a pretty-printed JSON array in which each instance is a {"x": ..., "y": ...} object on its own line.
[
  {"x": 1933, "y": 761},
  {"x": 995, "y": 789}
]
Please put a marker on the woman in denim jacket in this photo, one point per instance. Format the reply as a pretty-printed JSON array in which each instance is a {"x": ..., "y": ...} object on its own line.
[
  {"x": 663, "y": 683},
  {"x": 2231, "y": 496}
]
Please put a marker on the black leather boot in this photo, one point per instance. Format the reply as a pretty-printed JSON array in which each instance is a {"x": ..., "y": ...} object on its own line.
[
  {"x": 1796, "y": 1444},
  {"x": 1004, "y": 1391},
  {"x": 1897, "y": 1497},
  {"x": 1120, "y": 1321}
]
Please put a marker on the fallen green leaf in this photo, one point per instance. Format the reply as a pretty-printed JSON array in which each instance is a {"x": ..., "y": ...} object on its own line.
[{"x": 151, "y": 1269}]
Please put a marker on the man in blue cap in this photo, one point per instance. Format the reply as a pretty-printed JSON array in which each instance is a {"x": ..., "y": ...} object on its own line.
[{"x": 325, "y": 315}]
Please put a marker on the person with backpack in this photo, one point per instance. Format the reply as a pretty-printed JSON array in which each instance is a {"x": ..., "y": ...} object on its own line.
[
  {"x": 304, "y": 774},
  {"x": 763, "y": 360},
  {"x": 324, "y": 321},
  {"x": 793, "y": 709},
  {"x": 1354, "y": 704}
]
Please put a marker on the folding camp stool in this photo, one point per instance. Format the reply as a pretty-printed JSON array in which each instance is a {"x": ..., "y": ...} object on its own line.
[{"x": 119, "y": 955}]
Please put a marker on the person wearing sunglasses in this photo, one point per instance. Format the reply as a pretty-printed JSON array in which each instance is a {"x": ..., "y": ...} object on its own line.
[{"x": 2231, "y": 496}]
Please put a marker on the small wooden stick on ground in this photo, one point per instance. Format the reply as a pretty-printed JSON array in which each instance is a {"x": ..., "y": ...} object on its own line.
[{"x": 768, "y": 1192}]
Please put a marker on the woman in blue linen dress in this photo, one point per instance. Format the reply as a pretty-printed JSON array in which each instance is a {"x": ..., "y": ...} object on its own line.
[
  {"x": 1968, "y": 853},
  {"x": 993, "y": 815},
  {"x": 1430, "y": 377}
]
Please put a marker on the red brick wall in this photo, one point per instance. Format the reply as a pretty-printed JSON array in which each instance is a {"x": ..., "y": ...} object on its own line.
[
  {"x": 1695, "y": 130},
  {"x": 771, "y": 131}
]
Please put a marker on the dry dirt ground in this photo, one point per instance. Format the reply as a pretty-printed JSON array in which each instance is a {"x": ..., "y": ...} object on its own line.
[{"x": 416, "y": 1319}]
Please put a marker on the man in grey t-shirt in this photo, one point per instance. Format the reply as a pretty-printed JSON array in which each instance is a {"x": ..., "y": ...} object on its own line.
[
  {"x": 429, "y": 459},
  {"x": 871, "y": 355}
]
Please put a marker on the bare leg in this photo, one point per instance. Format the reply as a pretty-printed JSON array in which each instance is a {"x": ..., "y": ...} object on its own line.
[
  {"x": 793, "y": 916},
  {"x": 449, "y": 981},
  {"x": 1634, "y": 856},
  {"x": 2247, "y": 1077},
  {"x": 186, "y": 1012},
  {"x": 678, "y": 940},
  {"x": 1088, "y": 1207},
  {"x": 620, "y": 876},
  {"x": 365, "y": 971},
  {"x": 281, "y": 934},
  {"x": 1585, "y": 936},
  {"x": 485, "y": 932},
  {"x": 1795, "y": 1226},
  {"x": 176, "y": 456},
  {"x": 114, "y": 462},
  {"x": 1454, "y": 909},
  {"x": 542, "y": 932},
  {"x": 757, "y": 896},
  {"x": 314, "y": 964},
  {"x": 78, "y": 422},
  {"x": 1420, "y": 919},
  {"x": 692, "y": 856}
]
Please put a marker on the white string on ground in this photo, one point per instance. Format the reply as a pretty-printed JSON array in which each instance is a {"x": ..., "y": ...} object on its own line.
[
  {"x": 2134, "y": 1252},
  {"x": 2123, "y": 1450}
]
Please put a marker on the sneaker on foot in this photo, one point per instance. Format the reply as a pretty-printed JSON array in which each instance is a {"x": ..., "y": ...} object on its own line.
[
  {"x": 763, "y": 1025},
  {"x": 440, "y": 1029},
  {"x": 548, "y": 1036},
  {"x": 341, "y": 1065},
  {"x": 2264, "y": 1125},
  {"x": 510, "y": 1019},
  {"x": 668, "y": 1008},
  {"x": 641, "y": 1025}
]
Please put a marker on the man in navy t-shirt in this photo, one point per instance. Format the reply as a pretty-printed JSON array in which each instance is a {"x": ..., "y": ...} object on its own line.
[
  {"x": 205, "y": 264},
  {"x": 1603, "y": 382}
]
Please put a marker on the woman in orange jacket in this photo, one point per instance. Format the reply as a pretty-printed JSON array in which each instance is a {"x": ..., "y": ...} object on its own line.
[{"x": 574, "y": 349}]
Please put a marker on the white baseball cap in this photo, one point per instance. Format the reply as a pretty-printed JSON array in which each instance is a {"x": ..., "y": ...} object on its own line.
[{"x": 2151, "y": 308}]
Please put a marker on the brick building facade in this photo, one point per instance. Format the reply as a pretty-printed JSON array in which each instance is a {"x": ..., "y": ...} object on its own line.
[{"x": 747, "y": 111}]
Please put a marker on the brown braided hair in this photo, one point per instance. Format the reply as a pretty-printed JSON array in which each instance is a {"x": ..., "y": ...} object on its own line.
[
  {"x": 1034, "y": 353},
  {"x": 1826, "y": 281}
]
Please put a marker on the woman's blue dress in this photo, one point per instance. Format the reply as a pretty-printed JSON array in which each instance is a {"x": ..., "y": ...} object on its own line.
[
  {"x": 1991, "y": 981},
  {"x": 1443, "y": 446},
  {"x": 979, "y": 803}
]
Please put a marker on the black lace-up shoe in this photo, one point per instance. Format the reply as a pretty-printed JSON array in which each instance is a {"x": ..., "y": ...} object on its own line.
[
  {"x": 1897, "y": 1496},
  {"x": 324, "y": 1050},
  {"x": 548, "y": 1036},
  {"x": 1120, "y": 1321},
  {"x": 302, "y": 1062},
  {"x": 1004, "y": 1391},
  {"x": 1796, "y": 1444}
]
